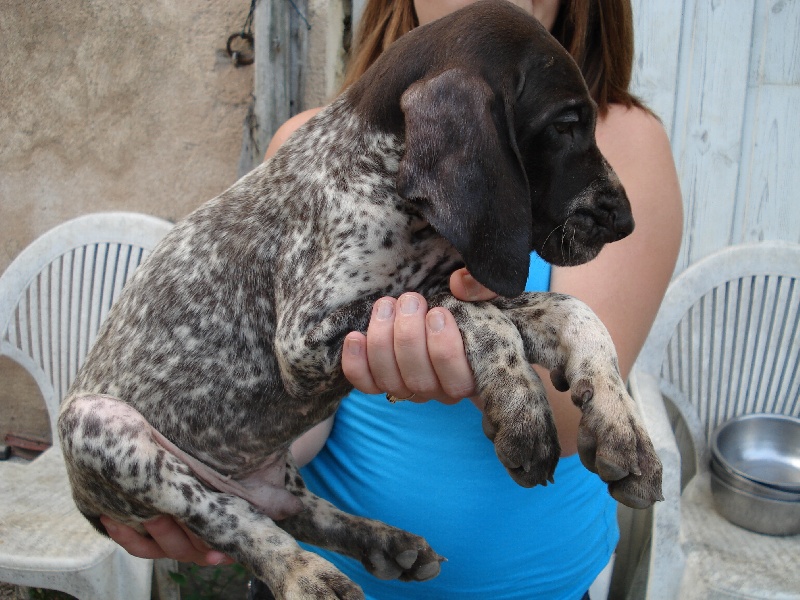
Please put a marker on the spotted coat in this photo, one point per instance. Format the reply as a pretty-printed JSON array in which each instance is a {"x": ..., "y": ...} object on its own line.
[{"x": 226, "y": 344}]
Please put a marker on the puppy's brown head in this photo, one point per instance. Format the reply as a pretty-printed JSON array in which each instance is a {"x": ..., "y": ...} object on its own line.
[{"x": 500, "y": 154}]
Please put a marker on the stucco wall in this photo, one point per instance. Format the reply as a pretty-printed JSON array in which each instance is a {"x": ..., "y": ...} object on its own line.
[
  {"x": 115, "y": 105},
  {"x": 125, "y": 105}
]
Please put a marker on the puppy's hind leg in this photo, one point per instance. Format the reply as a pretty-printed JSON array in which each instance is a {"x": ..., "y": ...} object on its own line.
[
  {"x": 116, "y": 468},
  {"x": 386, "y": 552}
]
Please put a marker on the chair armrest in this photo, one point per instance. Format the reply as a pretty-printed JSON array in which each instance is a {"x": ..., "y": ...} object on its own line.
[{"x": 666, "y": 558}]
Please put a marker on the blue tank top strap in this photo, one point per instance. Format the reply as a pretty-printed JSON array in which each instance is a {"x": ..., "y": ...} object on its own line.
[{"x": 538, "y": 275}]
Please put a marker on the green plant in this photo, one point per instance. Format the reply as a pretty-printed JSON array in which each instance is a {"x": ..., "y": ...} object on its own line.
[{"x": 210, "y": 583}]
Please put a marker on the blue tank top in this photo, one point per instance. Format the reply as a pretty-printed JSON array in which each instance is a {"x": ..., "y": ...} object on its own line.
[{"x": 429, "y": 469}]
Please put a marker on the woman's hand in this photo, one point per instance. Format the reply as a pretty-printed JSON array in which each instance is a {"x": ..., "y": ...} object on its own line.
[
  {"x": 168, "y": 539},
  {"x": 412, "y": 352}
]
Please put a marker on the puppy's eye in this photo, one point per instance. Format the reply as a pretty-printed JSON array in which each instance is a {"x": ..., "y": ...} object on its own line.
[
  {"x": 562, "y": 127},
  {"x": 566, "y": 122}
]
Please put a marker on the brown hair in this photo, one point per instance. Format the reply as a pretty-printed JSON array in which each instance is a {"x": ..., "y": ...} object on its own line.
[{"x": 597, "y": 33}]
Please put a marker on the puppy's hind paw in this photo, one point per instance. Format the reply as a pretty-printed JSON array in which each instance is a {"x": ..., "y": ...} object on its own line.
[
  {"x": 311, "y": 576},
  {"x": 403, "y": 555}
]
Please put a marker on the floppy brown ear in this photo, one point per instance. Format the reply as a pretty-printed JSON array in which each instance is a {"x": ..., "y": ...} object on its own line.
[{"x": 462, "y": 166}]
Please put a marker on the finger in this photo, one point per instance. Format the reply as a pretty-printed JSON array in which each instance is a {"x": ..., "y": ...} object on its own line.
[
  {"x": 209, "y": 556},
  {"x": 465, "y": 287},
  {"x": 411, "y": 349},
  {"x": 380, "y": 349},
  {"x": 131, "y": 540},
  {"x": 355, "y": 365},
  {"x": 173, "y": 540},
  {"x": 447, "y": 354}
]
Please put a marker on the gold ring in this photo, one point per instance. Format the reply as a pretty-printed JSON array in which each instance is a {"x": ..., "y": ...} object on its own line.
[{"x": 392, "y": 398}]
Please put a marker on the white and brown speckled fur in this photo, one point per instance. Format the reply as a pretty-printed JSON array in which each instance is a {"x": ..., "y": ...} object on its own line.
[{"x": 226, "y": 344}]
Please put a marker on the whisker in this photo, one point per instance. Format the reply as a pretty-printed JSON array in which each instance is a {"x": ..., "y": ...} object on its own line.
[
  {"x": 571, "y": 245},
  {"x": 563, "y": 235},
  {"x": 544, "y": 243}
]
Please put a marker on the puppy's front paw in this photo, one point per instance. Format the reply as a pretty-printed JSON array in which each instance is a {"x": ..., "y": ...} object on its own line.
[
  {"x": 613, "y": 444},
  {"x": 526, "y": 441},
  {"x": 310, "y": 576}
]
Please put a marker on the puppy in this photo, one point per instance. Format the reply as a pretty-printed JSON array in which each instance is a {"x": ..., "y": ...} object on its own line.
[{"x": 469, "y": 142}]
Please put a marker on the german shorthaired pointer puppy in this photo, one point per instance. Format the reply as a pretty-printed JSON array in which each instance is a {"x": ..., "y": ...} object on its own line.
[{"x": 469, "y": 142}]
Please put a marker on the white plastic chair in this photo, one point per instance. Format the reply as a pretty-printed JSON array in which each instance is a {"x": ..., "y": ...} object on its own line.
[
  {"x": 53, "y": 297},
  {"x": 726, "y": 342}
]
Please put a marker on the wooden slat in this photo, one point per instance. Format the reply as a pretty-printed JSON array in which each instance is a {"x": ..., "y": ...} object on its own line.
[
  {"x": 776, "y": 44},
  {"x": 768, "y": 183},
  {"x": 657, "y": 28},
  {"x": 767, "y": 197},
  {"x": 710, "y": 109},
  {"x": 280, "y": 58}
]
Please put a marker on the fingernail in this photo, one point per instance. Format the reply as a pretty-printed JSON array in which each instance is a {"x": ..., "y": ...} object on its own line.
[
  {"x": 471, "y": 286},
  {"x": 409, "y": 304},
  {"x": 435, "y": 321},
  {"x": 353, "y": 346},
  {"x": 384, "y": 310},
  {"x": 111, "y": 528}
]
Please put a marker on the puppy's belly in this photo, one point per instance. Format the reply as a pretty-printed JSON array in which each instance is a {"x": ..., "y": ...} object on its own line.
[{"x": 263, "y": 488}]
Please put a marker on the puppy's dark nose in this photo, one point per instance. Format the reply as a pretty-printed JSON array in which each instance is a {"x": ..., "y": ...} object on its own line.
[
  {"x": 613, "y": 214},
  {"x": 623, "y": 224}
]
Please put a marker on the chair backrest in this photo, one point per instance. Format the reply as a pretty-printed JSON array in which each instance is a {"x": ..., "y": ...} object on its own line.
[
  {"x": 727, "y": 337},
  {"x": 57, "y": 292}
]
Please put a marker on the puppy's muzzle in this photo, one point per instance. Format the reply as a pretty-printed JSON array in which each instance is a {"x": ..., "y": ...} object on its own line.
[{"x": 608, "y": 219}]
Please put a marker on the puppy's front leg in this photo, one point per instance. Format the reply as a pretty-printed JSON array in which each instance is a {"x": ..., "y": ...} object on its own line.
[
  {"x": 562, "y": 334},
  {"x": 516, "y": 414},
  {"x": 309, "y": 347}
]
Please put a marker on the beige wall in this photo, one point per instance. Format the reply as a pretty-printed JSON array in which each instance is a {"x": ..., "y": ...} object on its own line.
[
  {"x": 115, "y": 105},
  {"x": 125, "y": 105}
]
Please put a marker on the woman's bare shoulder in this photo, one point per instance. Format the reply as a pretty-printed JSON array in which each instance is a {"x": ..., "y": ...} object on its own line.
[
  {"x": 632, "y": 132},
  {"x": 288, "y": 128}
]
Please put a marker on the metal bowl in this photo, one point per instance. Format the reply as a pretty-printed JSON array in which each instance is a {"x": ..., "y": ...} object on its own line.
[
  {"x": 753, "y": 512},
  {"x": 752, "y": 487},
  {"x": 763, "y": 448}
]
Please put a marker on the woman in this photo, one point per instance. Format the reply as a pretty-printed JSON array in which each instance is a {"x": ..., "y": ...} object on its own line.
[{"x": 428, "y": 468}]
